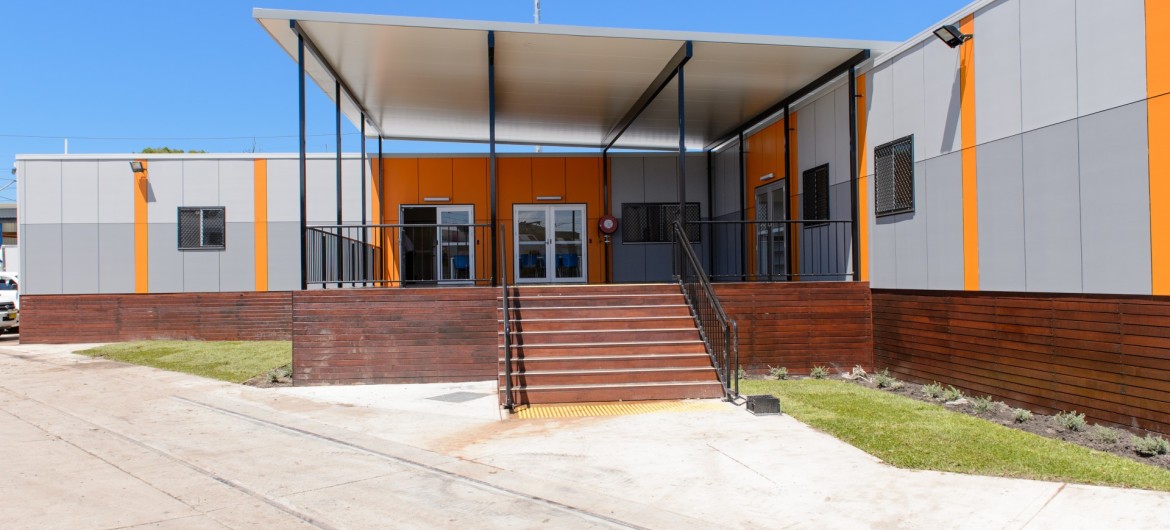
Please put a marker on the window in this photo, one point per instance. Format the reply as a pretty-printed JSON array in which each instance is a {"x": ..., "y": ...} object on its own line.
[
  {"x": 651, "y": 222},
  {"x": 201, "y": 228},
  {"x": 894, "y": 179},
  {"x": 816, "y": 195}
]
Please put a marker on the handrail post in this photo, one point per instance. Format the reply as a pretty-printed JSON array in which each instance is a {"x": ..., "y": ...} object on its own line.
[{"x": 506, "y": 306}]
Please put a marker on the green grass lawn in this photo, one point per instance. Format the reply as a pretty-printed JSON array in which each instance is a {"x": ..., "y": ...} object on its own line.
[
  {"x": 915, "y": 435},
  {"x": 235, "y": 362}
]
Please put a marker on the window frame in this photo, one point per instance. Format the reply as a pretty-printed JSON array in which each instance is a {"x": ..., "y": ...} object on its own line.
[
  {"x": 806, "y": 198},
  {"x": 895, "y": 209},
  {"x": 694, "y": 234},
  {"x": 202, "y": 232}
]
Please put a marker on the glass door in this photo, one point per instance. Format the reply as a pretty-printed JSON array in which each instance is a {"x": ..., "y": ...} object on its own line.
[
  {"x": 435, "y": 244},
  {"x": 771, "y": 236},
  {"x": 549, "y": 243},
  {"x": 455, "y": 257}
]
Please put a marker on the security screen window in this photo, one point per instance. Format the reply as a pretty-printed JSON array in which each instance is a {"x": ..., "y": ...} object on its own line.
[
  {"x": 653, "y": 222},
  {"x": 894, "y": 179},
  {"x": 201, "y": 228},
  {"x": 816, "y": 194}
]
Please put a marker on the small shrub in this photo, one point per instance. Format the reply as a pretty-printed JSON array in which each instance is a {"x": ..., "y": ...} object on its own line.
[
  {"x": 1070, "y": 421},
  {"x": 982, "y": 404},
  {"x": 1021, "y": 415},
  {"x": 885, "y": 380},
  {"x": 778, "y": 372},
  {"x": 740, "y": 373},
  {"x": 1150, "y": 445},
  {"x": 819, "y": 372},
  {"x": 933, "y": 390},
  {"x": 951, "y": 394},
  {"x": 1104, "y": 435},
  {"x": 858, "y": 372}
]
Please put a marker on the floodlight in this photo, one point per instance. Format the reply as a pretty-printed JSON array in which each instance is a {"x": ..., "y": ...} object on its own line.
[
  {"x": 951, "y": 35},
  {"x": 136, "y": 166}
]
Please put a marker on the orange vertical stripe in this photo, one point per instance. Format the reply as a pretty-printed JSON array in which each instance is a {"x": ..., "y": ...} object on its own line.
[
  {"x": 1158, "y": 87},
  {"x": 862, "y": 200},
  {"x": 1157, "y": 47},
  {"x": 970, "y": 188},
  {"x": 260, "y": 212},
  {"x": 141, "y": 232}
]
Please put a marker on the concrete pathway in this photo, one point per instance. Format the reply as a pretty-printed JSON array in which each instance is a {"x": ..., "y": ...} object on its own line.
[{"x": 95, "y": 444}]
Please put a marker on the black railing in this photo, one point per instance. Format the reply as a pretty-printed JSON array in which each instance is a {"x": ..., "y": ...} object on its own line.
[
  {"x": 719, "y": 332},
  {"x": 770, "y": 251},
  {"x": 393, "y": 255},
  {"x": 505, "y": 306}
]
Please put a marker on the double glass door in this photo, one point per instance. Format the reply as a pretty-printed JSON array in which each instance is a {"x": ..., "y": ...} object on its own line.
[
  {"x": 772, "y": 236},
  {"x": 549, "y": 243}
]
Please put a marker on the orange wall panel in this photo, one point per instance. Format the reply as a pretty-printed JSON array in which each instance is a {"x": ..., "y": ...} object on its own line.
[
  {"x": 434, "y": 179},
  {"x": 548, "y": 178},
  {"x": 1157, "y": 47},
  {"x": 583, "y": 184},
  {"x": 401, "y": 186},
  {"x": 141, "y": 231},
  {"x": 967, "y": 131},
  {"x": 862, "y": 186},
  {"x": 514, "y": 177},
  {"x": 471, "y": 185}
]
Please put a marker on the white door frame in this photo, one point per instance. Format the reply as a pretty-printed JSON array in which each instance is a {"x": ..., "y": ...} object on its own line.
[
  {"x": 550, "y": 243},
  {"x": 438, "y": 258},
  {"x": 769, "y": 232}
]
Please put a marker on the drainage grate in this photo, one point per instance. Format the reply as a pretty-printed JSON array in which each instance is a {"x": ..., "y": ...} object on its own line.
[{"x": 459, "y": 397}]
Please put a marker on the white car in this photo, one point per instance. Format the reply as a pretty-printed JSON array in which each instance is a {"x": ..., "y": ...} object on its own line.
[{"x": 9, "y": 302}]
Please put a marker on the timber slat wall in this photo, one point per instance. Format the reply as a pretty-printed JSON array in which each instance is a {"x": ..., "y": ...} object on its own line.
[
  {"x": 1105, "y": 356},
  {"x": 62, "y": 319},
  {"x": 394, "y": 335},
  {"x": 800, "y": 324}
]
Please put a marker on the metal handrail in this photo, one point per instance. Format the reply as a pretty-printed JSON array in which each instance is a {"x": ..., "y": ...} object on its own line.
[
  {"x": 506, "y": 306},
  {"x": 710, "y": 317}
]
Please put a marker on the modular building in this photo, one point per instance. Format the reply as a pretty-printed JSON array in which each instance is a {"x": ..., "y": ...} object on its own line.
[{"x": 984, "y": 205}]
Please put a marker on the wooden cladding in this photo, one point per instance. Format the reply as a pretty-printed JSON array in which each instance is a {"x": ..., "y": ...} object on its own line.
[
  {"x": 62, "y": 319},
  {"x": 1105, "y": 356},
  {"x": 395, "y": 335},
  {"x": 800, "y": 324}
]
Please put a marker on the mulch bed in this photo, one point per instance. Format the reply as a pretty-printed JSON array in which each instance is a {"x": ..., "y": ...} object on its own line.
[{"x": 1093, "y": 436}]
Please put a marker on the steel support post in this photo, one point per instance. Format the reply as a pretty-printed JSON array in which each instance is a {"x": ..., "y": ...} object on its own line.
[
  {"x": 854, "y": 177},
  {"x": 491, "y": 36},
  {"x": 362, "y": 206},
  {"x": 303, "y": 169},
  {"x": 682, "y": 156},
  {"x": 340, "y": 246}
]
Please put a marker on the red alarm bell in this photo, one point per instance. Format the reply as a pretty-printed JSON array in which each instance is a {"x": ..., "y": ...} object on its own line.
[{"x": 607, "y": 224}]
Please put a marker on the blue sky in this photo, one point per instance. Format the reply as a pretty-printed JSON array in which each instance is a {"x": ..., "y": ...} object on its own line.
[{"x": 115, "y": 77}]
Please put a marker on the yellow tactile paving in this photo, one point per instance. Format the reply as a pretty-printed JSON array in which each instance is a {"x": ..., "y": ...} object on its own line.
[{"x": 613, "y": 409}]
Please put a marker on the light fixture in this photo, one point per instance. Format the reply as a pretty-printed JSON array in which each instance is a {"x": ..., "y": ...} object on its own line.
[
  {"x": 951, "y": 35},
  {"x": 136, "y": 166}
]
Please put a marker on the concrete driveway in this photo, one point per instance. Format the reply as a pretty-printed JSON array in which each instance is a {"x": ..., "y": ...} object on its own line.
[{"x": 96, "y": 444}]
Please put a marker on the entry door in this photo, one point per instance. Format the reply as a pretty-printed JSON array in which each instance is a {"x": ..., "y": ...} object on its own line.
[
  {"x": 772, "y": 238},
  {"x": 440, "y": 249},
  {"x": 549, "y": 243}
]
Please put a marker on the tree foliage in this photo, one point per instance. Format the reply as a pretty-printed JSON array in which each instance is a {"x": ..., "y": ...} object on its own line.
[{"x": 164, "y": 149}]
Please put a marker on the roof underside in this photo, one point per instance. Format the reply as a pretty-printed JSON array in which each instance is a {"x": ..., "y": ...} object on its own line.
[{"x": 427, "y": 79}]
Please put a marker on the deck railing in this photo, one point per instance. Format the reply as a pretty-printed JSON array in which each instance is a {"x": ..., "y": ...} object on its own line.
[
  {"x": 395, "y": 255},
  {"x": 506, "y": 307},
  {"x": 770, "y": 251},
  {"x": 719, "y": 332}
]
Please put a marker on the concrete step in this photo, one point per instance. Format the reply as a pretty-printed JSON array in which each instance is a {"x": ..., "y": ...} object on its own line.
[
  {"x": 609, "y": 348},
  {"x": 523, "y": 339},
  {"x": 612, "y": 362},
  {"x": 532, "y": 378},
  {"x": 528, "y": 301},
  {"x": 555, "y": 324},
  {"x": 591, "y": 312},
  {"x": 627, "y": 288},
  {"x": 615, "y": 392}
]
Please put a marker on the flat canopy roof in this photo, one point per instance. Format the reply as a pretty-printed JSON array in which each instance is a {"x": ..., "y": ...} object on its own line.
[{"x": 427, "y": 79}]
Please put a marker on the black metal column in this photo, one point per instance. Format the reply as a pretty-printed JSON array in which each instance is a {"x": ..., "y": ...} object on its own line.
[
  {"x": 381, "y": 184},
  {"x": 710, "y": 239},
  {"x": 608, "y": 206},
  {"x": 365, "y": 230},
  {"x": 340, "y": 246},
  {"x": 788, "y": 239},
  {"x": 682, "y": 159},
  {"x": 491, "y": 36},
  {"x": 855, "y": 179},
  {"x": 743, "y": 234},
  {"x": 304, "y": 206}
]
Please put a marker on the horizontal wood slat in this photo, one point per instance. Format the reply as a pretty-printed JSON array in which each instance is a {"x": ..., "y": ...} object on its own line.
[
  {"x": 800, "y": 324},
  {"x": 63, "y": 319},
  {"x": 1105, "y": 356}
]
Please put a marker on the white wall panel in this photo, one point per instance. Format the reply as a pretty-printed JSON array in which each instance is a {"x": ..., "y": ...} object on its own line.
[
  {"x": 283, "y": 191},
  {"x": 997, "y": 71},
  {"x": 1048, "y": 62},
  {"x": 908, "y": 92},
  {"x": 79, "y": 191},
  {"x": 940, "y": 132},
  {"x": 164, "y": 192},
  {"x": 236, "y": 190},
  {"x": 880, "y": 101},
  {"x": 1111, "y": 54},
  {"x": 321, "y": 190},
  {"x": 839, "y": 170},
  {"x": 40, "y": 182},
  {"x": 201, "y": 183},
  {"x": 115, "y": 193}
]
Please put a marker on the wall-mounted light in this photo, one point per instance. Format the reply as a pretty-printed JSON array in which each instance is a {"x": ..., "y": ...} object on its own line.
[
  {"x": 769, "y": 176},
  {"x": 136, "y": 166},
  {"x": 436, "y": 199},
  {"x": 549, "y": 198},
  {"x": 951, "y": 35}
]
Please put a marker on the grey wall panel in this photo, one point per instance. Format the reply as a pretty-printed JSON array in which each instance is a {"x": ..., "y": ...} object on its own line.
[
  {"x": 660, "y": 179},
  {"x": 41, "y": 184},
  {"x": 1001, "y": 215},
  {"x": 201, "y": 183},
  {"x": 116, "y": 258},
  {"x": 910, "y": 229},
  {"x": 997, "y": 71},
  {"x": 883, "y": 252},
  {"x": 659, "y": 262},
  {"x": 806, "y": 147},
  {"x": 41, "y": 251},
  {"x": 283, "y": 191},
  {"x": 322, "y": 191},
  {"x": 627, "y": 181},
  {"x": 165, "y": 261},
  {"x": 201, "y": 270},
  {"x": 164, "y": 191},
  {"x": 115, "y": 192},
  {"x": 629, "y": 261},
  {"x": 941, "y": 131},
  {"x": 826, "y": 133},
  {"x": 352, "y": 189},
  {"x": 839, "y": 168},
  {"x": 909, "y": 96},
  {"x": 79, "y": 191},
  {"x": 1111, "y": 54},
  {"x": 237, "y": 263},
  {"x": 944, "y": 231},
  {"x": 727, "y": 182},
  {"x": 1115, "y": 201},
  {"x": 284, "y": 256},
  {"x": 697, "y": 182},
  {"x": 1052, "y": 209},
  {"x": 1048, "y": 62},
  {"x": 79, "y": 258},
  {"x": 236, "y": 190},
  {"x": 880, "y": 104}
]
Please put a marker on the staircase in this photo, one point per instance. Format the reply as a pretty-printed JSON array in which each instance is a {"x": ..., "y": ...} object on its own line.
[{"x": 596, "y": 343}]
